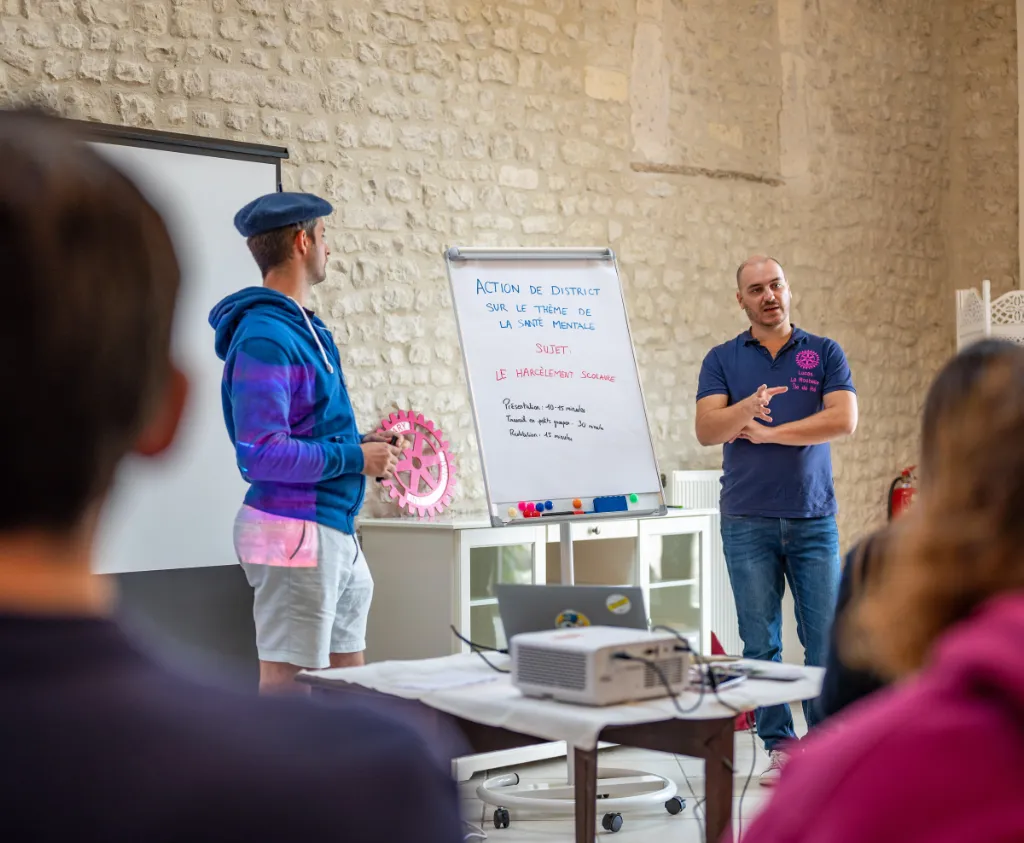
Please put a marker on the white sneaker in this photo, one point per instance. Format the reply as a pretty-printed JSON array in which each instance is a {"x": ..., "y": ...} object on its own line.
[{"x": 776, "y": 761}]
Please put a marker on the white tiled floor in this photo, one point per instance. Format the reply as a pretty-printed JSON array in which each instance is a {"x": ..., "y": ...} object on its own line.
[{"x": 644, "y": 826}]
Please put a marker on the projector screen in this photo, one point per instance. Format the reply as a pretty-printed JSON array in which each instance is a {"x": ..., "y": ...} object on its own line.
[{"x": 177, "y": 511}]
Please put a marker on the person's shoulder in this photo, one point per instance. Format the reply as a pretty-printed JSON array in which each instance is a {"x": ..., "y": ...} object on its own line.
[
  {"x": 887, "y": 755},
  {"x": 813, "y": 338},
  {"x": 249, "y": 733},
  {"x": 318, "y": 729},
  {"x": 825, "y": 344},
  {"x": 265, "y": 337},
  {"x": 317, "y": 762},
  {"x": 730, "y": 345},
  {"x": 261, "y": 324},
  {"x": 906, "y": 733}
]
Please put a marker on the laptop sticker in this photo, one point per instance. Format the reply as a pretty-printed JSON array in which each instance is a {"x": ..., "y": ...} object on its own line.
[
  {"x": 618, "y": 604},
  {"x": 570, "y": 618}
]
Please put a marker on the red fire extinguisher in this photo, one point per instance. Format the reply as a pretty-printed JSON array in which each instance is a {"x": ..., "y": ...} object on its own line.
[{"x": 901, "y": 492}]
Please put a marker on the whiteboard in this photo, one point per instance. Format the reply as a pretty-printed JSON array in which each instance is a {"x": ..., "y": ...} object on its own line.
[
  {"x": 553, "y": 380},
  {"x": 177, "y": 511}
]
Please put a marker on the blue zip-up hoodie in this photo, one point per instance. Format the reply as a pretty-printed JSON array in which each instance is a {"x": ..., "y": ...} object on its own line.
[{"x": 287, "y": 409}]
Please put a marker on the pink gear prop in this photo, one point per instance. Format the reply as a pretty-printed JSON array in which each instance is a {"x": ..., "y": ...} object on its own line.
[{"x": 424, "y": 478}]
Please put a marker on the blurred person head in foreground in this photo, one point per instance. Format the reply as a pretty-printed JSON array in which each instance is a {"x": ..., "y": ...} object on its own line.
[
  {"x": 127, "y": 750},
  {"x": 944, "y": 621},
  {"x": 949, "y": 400}
]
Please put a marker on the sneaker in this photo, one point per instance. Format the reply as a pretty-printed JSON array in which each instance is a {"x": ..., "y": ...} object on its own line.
[{"x": 776, "y": 761}]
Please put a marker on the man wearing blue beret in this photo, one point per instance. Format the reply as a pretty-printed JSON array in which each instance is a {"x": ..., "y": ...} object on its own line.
[{"x": 289, "y": 416}]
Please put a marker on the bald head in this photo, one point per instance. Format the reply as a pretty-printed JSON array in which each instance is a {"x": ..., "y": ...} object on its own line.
[{"x": 755, "y": 261}]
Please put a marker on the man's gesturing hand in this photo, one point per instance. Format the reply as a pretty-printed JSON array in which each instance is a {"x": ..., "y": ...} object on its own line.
[
  {"x": 379, "y": 459},
  {"x": 759, "y": 401}
]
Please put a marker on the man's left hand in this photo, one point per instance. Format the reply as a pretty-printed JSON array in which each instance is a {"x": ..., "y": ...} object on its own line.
[
  {"x": 384, "y": 436},
  {"x": 757, "y": 433}
]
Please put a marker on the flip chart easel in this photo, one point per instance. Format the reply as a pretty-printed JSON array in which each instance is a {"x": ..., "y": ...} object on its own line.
[{"x": 560, "y": 416}]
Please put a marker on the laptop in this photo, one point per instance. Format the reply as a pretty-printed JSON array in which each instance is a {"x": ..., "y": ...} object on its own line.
[{"x": 534, "y": 608}]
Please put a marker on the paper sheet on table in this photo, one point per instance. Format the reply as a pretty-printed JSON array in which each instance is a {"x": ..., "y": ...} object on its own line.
[
  {"x": 772, "y": 670},
  {"x": 441, "y": 680}
]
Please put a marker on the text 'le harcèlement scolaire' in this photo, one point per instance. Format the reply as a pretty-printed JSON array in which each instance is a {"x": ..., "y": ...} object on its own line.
[
  {"x": 530, "y": 420},
  {"x": 531, "y": 315}
]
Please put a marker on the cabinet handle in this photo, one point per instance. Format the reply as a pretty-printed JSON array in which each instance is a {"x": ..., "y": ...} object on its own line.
[{"x": 594, "y": 531}]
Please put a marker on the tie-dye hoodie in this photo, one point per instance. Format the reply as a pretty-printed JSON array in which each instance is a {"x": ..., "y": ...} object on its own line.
[{"x": 287, "y": 409}]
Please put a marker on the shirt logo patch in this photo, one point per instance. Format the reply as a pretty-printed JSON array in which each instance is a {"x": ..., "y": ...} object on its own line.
[{"x": 807, "y": 359}]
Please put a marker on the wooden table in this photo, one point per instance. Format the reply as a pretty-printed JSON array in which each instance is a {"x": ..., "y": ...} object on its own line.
[
  {"x": 458, "y": 694},
  {"x": 711, "y": 740}
]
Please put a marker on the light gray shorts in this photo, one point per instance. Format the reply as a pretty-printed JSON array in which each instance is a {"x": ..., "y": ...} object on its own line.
[{"x": 312, "y": 588}]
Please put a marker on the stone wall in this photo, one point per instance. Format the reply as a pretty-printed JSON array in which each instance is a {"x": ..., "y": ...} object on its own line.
[
  {"x": 844, "y": 136},
  {"x": 981, "y": 204}
]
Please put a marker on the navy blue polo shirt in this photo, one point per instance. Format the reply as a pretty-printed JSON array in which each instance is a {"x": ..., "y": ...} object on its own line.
[{"x": 769, "y": 480}]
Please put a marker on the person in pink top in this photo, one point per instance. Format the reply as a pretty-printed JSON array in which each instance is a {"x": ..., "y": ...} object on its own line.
[{"x": 939, "y": 755}]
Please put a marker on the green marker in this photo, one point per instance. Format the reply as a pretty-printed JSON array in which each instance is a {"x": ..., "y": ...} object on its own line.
[{"x": 632, "y": 498}]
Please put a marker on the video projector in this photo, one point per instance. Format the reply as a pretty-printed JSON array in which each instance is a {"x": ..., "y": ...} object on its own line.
[{"x": 579, "y": 665}]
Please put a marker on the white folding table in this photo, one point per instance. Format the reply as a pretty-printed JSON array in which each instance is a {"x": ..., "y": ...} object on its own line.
[{"x": 494, "y": 716}]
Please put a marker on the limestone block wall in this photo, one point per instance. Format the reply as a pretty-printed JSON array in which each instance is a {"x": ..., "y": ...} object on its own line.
[
  {"x": 850, "y": 138},
  {"x": 981, "y": 221}
]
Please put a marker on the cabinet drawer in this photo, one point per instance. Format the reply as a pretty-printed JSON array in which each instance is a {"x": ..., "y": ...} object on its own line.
[{"x": 625, "y": 528}]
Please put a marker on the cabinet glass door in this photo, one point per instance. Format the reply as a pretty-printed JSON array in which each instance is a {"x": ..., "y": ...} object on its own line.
[
  {"x": 673, "y": 558},
  {"x": 506, "y": 563},
  {"x": 489, "y": 566},
  {"x": 490, "y": 561},
  {"x": 677, "y": 607},
  {"x": 671, "y": 565}
]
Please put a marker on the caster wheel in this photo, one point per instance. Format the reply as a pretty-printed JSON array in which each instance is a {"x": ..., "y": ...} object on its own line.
[
  {"x": 675, "y": 805},
  {"x": 501, "y": 818},
  {"x": 612, "y": 822}
]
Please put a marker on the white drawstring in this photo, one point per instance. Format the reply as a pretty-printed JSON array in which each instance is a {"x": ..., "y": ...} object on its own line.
[{"x": 316, "y": 337}]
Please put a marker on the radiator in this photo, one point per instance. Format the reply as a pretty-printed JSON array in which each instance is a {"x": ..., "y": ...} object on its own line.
[{"x": 700, "y": 490}]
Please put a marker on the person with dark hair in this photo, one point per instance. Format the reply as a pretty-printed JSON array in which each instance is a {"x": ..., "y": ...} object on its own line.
[
  {"x": 943, "y": 613},
  {"x": 844, "y": 684},
  {"x": 99, "y": 741},
  {"x": 290, "y": 419},
  {"x": 778, "y": 500}
]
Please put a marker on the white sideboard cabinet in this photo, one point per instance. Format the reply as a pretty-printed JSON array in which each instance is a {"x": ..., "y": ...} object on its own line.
[{"x": 431, "y": 575}]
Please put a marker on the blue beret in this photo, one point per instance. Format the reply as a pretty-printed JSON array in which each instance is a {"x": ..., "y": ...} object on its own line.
[{"x": 276, "y": 210}]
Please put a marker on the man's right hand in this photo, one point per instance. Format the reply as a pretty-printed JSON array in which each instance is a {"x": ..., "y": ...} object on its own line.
[
  {"x": 757, "y": 404},
  {"x": 379, "y": 459},
  {"x": 719, "y": 422}
]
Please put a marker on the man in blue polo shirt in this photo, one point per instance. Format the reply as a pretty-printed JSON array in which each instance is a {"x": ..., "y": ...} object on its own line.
[{"x": 775, "y": 397}]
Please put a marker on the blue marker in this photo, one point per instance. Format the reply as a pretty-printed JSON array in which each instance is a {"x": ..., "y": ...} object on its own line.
[{"x": 548, "y": 505}]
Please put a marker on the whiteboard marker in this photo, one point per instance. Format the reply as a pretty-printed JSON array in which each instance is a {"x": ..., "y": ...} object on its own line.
[{"x": 394, "y": 441}]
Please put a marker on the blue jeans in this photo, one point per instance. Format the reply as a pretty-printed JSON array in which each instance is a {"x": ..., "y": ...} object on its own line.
[{"x": 762, "y": 554}]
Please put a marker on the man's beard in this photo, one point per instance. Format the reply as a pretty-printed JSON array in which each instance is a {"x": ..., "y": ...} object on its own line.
[
  {"x": 317, "y": 275},
  {"x": 759, "y": 316}
]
